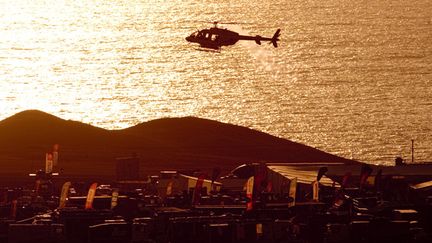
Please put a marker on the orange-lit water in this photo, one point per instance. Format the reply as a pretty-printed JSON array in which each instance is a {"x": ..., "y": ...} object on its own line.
[{"x": 353, "y": 78}]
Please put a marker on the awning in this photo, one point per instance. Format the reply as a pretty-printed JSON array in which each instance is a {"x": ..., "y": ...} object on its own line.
[
  {"x": 305, "y": 174},
  {"x": 422, "y": 185}
]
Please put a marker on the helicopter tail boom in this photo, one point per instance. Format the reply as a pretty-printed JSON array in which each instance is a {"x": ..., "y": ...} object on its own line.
[{"x": 258, "y": 38}]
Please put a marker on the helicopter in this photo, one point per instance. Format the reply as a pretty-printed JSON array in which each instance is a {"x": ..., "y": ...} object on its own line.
[{"x": 215, "y": 37}]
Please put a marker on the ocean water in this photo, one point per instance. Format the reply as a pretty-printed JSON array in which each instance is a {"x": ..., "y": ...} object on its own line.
[{"x": 353, "y": 78}]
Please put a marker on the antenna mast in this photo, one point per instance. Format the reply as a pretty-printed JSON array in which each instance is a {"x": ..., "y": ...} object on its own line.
[{"x": 412, "y": 151}]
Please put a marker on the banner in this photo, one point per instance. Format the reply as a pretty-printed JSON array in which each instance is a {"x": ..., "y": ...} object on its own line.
[
  {"x": 315, "y": 190},
  {"x": 198, "y": 187},
  {"x": 292, "y": 191},
  {"x": 249, "y": 193},
  {"x": 48, "y": 163},
  {"x": 90, "y": 196},
  {"x": 64, "y": 194},
  {"x": 259, "y": 229}
]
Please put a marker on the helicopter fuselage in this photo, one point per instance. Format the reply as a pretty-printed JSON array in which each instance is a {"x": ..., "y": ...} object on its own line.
[{"x": 215, "y": 38}]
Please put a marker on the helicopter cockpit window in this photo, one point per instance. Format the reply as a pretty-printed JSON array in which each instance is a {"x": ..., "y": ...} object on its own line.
[
  {"x": 194, "y": 34},
  {"x": 214, "y": 37},
  {"x": 200, "y": 34}
]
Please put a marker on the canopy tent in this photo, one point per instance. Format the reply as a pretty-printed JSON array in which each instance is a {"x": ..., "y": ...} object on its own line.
[{"x": 305, "y": 174}]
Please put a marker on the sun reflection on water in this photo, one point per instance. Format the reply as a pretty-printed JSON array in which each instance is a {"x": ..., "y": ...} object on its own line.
[{"x": 344, "y": 79}]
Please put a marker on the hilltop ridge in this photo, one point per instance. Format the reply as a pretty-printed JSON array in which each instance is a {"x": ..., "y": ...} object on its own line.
[{"x": 166, "y": 143}]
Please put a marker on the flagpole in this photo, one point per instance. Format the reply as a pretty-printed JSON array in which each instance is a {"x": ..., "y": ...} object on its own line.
[{"x": 412, "y": 151}]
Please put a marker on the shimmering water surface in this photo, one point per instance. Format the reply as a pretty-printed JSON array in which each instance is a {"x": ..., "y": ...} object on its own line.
[{"x": 353, "y": 78}]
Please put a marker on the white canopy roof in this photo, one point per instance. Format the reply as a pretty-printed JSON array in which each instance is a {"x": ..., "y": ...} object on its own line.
[{"x": 305, "y": 173}]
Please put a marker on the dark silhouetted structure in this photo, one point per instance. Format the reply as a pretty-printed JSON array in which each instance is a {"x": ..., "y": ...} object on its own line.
[
  {"x": 127, "y": 168},
  {"x": 215, "y": 38}
]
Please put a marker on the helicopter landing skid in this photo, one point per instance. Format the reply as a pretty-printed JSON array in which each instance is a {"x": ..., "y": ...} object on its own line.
[{"x": 208, "y": 50}]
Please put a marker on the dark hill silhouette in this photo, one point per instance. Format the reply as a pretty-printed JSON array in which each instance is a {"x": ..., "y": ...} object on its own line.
[
  {"x": 33, "y": 126},
  {"x": 171, "y": 143}
]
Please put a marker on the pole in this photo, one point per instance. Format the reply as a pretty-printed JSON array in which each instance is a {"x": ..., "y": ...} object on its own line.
[{"x": 412, "y": 151}]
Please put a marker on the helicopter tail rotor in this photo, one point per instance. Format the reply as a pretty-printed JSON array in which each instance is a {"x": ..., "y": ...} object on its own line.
[{"x": 275, "y": 38}]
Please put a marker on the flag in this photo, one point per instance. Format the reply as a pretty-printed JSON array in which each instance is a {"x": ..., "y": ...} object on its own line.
[
  {"x": 292, "y": 191},
  {"x": 64, "y": 194},
  {"x": 48, "y": 163},
  {"x": 114, "y": 198},
  {"x": 315, "y": 189},
  {"x": 198, "y": 187},
  {"x": 249, "y": 192},
  {"x": 90, "y": 196},
  {"x": 259, "y": 229}
]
